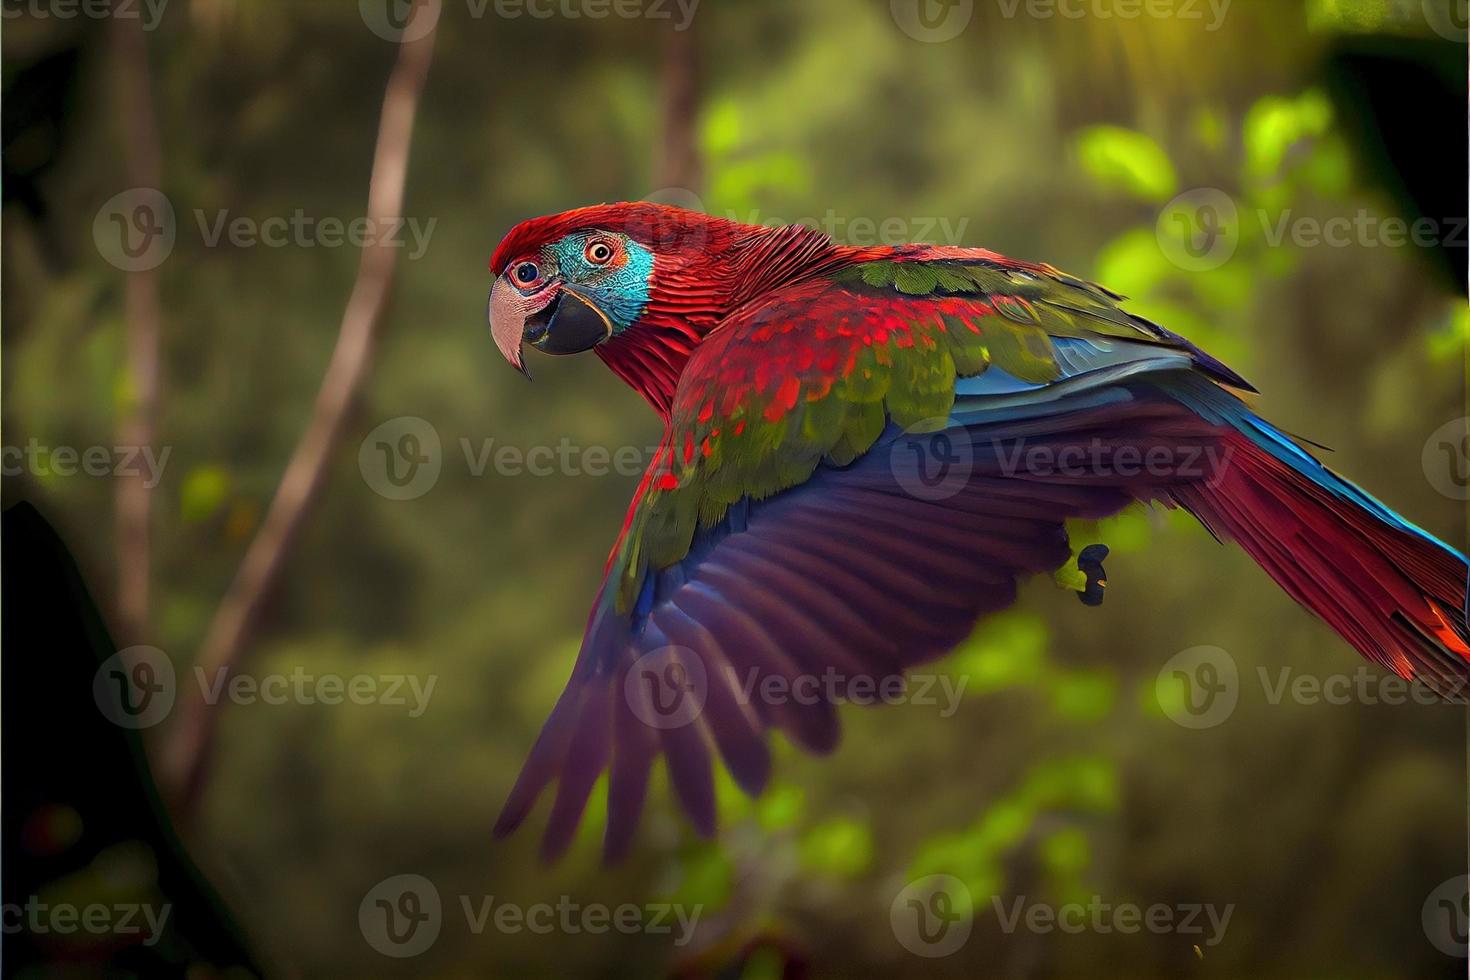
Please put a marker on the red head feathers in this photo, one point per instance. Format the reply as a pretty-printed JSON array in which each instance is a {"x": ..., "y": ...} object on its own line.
[{"x": 703, "y": 267}]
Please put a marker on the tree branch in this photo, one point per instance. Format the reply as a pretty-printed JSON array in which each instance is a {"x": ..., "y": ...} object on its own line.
[
  {"x": 187, "y": 754},
  {"x": 142, "y": 165},
  {"x": 679, "y": 164}
]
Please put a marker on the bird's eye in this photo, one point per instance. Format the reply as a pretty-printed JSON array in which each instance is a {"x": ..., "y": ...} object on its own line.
[
  {"x": 527, "y": 272},
  {"x": 598, "y": 252}
]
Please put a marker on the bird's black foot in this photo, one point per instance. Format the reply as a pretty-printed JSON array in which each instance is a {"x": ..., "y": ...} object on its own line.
[{"x": 1090, "y": 562}]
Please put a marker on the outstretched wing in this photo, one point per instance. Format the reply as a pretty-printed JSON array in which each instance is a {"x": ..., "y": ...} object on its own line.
[{"x": 838, "y": 498}]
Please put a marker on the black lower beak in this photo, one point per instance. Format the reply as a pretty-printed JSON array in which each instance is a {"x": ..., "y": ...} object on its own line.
[{"x": 569, "y": 325}]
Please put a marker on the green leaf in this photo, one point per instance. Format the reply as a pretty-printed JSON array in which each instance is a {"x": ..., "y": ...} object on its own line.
[
  {"x": 1127, "y": 160},
  {"x": 781, "y": 807},
  {"x": 1084, "y": 696},
  {"x": 1066, "y": 852},
  {"x": 1275, "y": 124},
  {"x": 204, "y": 491},
  {"x": 840, "y": 847},
  {"x": 1134, "y": 264}
]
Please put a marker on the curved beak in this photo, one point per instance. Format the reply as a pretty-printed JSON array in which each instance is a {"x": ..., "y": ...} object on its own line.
[{"x": 567, "y": 323}]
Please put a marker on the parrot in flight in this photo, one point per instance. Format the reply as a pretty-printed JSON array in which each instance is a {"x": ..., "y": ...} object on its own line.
[{"x": 864, "y": 450}]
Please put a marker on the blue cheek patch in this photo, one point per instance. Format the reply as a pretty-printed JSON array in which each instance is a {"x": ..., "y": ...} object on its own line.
[{"x": 622, "y": 292}]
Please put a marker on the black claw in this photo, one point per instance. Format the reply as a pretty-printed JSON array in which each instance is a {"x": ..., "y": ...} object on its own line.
[{"x": 1090, "y": 562}]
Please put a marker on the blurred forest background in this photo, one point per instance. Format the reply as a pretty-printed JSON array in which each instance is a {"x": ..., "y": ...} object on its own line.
[{"x": 1061, "y": 776}]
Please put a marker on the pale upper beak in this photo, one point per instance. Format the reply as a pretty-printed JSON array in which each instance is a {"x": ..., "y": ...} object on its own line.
[{"x": 556, "y": 320}]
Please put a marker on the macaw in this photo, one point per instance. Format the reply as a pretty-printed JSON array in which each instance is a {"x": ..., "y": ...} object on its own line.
[{"x": 863, "y": 452}]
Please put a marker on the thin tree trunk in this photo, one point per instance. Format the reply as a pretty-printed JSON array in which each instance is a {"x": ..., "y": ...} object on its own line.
[
  {"x": 187, "y": 754},
  {"x": 679, "y": 165},
  {"x": 142, "y": 158}
]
